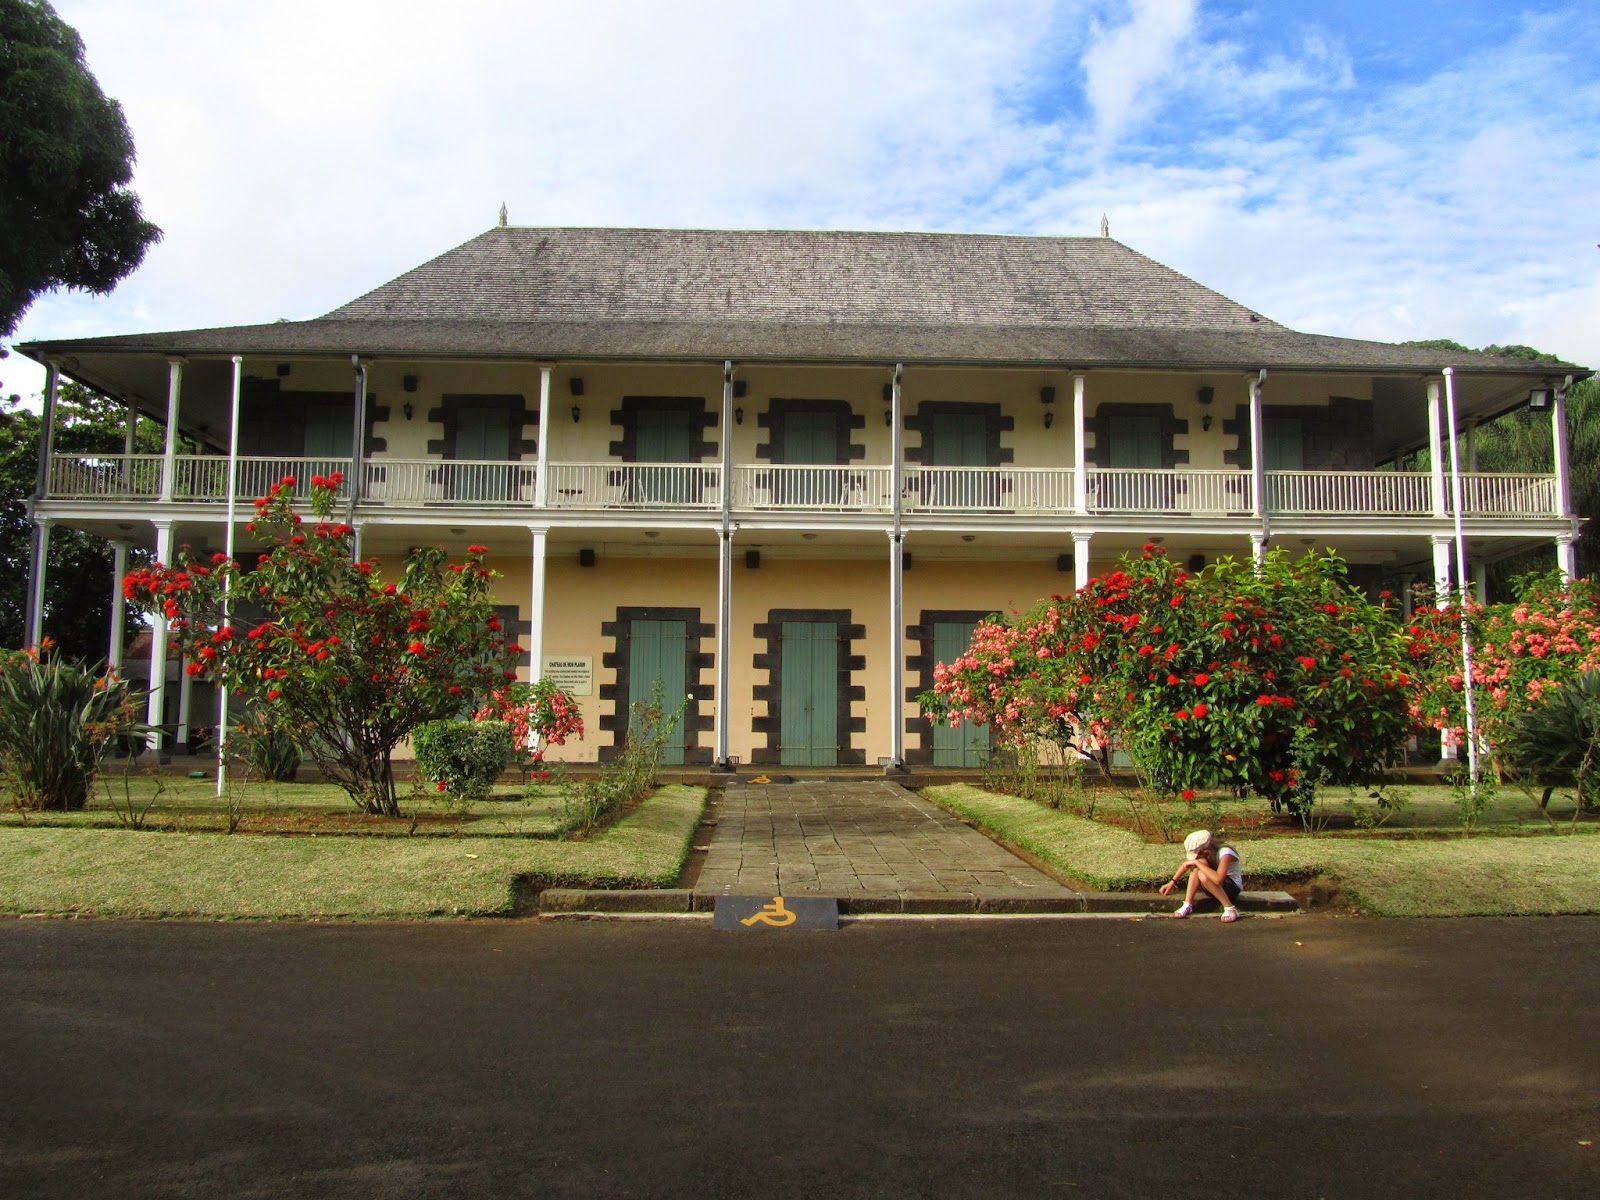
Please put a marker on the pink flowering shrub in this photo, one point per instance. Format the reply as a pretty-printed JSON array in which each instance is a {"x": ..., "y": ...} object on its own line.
[{"x": 1521, "y": 652}]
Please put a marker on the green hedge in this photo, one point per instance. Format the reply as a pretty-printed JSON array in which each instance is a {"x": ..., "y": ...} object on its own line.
[{"x": 466, "y": 757}]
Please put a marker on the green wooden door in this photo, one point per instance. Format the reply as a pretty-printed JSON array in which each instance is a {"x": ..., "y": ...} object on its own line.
[
  {"x": 962, "y": 440},
  {"x": 809, "y": 727},
  {"x": 658, "y": 652},
  {"x": 809, "y": 439},
  {"x": 664, "y": 436},
  {"x": 483, "y": 435},
  {"x": 966, "y": 745}
]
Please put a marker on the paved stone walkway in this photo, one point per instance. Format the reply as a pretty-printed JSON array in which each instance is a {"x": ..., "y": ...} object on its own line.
[{"x": 856, "y": 839}]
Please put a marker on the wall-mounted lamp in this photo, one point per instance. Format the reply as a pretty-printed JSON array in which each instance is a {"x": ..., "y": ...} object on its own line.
[
  {"x": 575, "y": 385},
  {"x": 1047, "y": 395},
  {"x": 1540, "y": 399},
  {"x": 738, "y": 415},
  {"x": 576, "y": 413},
  {"x": 408, "y": 382},
  {"x": 1206, "y": 394},
  {"x": 1049, "y": 417},
  {"x": 408, "y": 410},
  {"x": 1205, "y": 422}
]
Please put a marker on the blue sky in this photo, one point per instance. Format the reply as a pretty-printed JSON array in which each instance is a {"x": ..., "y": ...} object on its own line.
[{"x": 1386, "y": 171}]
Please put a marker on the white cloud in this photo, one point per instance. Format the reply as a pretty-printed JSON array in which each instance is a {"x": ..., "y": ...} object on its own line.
[{"x": 298, "y": 154}]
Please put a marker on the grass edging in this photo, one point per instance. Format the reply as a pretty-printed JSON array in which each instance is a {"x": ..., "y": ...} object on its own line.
[
  {"x": 123, "y": 873},
  {"x": 1480, "y": 876}
]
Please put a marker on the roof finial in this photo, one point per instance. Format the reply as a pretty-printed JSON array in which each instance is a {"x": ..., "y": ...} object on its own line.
[
  {"x": 1105, "y": 225},
  {"x": 502, "y": 216}
]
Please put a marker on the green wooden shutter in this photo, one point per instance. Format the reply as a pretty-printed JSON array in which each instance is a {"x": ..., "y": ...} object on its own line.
[
  {"x": 1135, "y": 441},
  {"x": 809, "y": 724},
  {"x": 1282, "y": 444},
  {"x": 966, "y": 745},
  {"x": 960, "y": 440},
  {"x": 811, "y": 437},
  {"x": 664, "y": 436},
  {"x": 658, "y": 651},
  {"x": 327, "y": 432}
]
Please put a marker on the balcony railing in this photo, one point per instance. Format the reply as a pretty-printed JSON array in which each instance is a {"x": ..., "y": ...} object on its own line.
[{"x": 1027, "y": 491}]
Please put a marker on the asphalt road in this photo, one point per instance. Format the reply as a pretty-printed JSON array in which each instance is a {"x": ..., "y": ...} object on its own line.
[{"x": 1301, "y": 1057}]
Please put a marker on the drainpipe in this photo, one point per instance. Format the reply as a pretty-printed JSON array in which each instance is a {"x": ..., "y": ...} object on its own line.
[
  {"x": 227, "y": 599},
  {"x": 725, "y": 578},
  {"x": 1461, "y": 580},
  {"x": 358, "y": 439},
  {"x": 897, "y": 583},
  {"x": 1258, "y": 466}
]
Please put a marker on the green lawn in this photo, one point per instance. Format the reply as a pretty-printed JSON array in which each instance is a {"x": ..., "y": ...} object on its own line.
[
  {"x": 1411, "y": 871},
  {"x": 89, "y": 870},
  {"x": 192, "y": 805}
]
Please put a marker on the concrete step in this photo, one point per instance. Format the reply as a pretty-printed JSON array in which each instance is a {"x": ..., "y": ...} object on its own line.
[{"x": 682, "y": 900}]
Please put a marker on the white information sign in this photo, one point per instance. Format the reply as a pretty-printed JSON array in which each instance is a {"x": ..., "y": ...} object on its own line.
[{"x": 573, "y": 675}]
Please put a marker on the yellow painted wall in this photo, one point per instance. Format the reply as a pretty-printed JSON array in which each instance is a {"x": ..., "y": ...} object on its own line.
[{"x": 580, "y": 599}]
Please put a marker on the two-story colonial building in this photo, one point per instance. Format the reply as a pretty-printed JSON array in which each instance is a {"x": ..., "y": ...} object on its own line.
[{"x": 785, "y": 473}]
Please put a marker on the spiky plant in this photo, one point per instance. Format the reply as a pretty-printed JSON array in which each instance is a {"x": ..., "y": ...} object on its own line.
[
  {"x": 1558, "y": 742},
  {"x": 57, "y": 719}
]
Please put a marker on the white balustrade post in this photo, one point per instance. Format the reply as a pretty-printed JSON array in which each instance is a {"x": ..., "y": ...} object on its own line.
[{"x": 1567, "y": 555}]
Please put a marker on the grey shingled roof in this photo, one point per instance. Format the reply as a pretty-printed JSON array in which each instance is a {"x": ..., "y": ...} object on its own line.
[
  {"x": 798, "y": 278},
  {"x": 656, "y": 294}
]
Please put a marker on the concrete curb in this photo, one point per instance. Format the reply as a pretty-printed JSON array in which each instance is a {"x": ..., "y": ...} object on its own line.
[{"x": 682, "y": 900}]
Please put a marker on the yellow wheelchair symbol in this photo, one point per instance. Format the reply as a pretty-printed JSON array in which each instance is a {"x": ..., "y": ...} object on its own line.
[{"x": 771, "y": 914}]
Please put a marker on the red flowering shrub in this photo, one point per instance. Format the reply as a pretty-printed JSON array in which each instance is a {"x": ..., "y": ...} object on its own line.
[
  {"x": 344, "y": 663},
  {"x": 1269, "y": 677}
]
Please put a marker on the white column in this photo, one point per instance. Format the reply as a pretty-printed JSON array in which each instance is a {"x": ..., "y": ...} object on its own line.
[
  {"x": 1436, "y": 448},
  {"x": 541, "y": 478},
  {"x": 1480, "y": 582},
  {"x": 897, "y": 652},
  {"x": 536, "y": 567},
  {"x": 119, "y": 568},
  {"x": 1080, "y": 561},
  {"x": 1258, "y": 467},
  {"x": 1448, "y": 749},
  {"x": 39, "y": 556},
  {"x": 155, "y": 711},
  {"x": 1080, "y": 457},
  {"x": 1441, "y": 570},
  {"x": 169, "y": 453},
  {"x": 185, "y": 696},
  {"x": 724, "y": 647},
  {"x": 33, "y": 634},
  {"x": 1567, "y": 556}
]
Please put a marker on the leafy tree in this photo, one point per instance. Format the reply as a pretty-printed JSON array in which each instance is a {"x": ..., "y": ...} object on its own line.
[
  {"x": 67, "y": 217},
  {"x": 1270, "y": 678},
  {"x": 78, "y": 579},
  {"x": 344, "y": 663}
]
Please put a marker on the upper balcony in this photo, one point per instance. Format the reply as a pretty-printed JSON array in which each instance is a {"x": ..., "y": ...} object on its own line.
[{"x": 397, "y": 485}]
